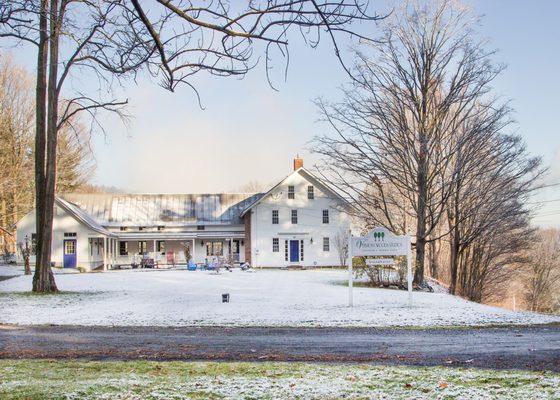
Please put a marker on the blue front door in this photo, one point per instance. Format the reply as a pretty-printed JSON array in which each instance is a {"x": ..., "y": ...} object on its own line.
[
  {"x": 294, "y": 250},
  {"x": 70, "y": 253}
]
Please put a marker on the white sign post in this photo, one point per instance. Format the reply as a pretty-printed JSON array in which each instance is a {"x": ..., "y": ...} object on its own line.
[{"x": 379, "y": 242}]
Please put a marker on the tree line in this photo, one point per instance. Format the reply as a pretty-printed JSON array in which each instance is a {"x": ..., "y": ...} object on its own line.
[
  {"x": 421, "y": 145},
  {"x": 75, "y": 162},
  {"x": 106, "y": 41}
]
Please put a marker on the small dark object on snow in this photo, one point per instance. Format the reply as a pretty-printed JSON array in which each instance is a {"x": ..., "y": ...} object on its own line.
[{"x": 225, "y": 298}]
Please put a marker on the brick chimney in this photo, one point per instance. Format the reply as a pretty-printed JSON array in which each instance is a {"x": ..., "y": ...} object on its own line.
[{"x": 298, "y": 162}]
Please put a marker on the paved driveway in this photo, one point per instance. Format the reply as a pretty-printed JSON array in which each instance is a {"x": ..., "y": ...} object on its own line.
[{"x": 531, "y": 348}]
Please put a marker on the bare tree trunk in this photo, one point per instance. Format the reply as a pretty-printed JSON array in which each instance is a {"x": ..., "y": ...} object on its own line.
[
  {"x": 40, "y": 138},
  {"x": 26, "y": 258},
  {"x": 454, "y": 248},
  {"x": 44, "y": 278},
  {"x": 421, "y": 213},
  {"x": 433, "y": 257}
]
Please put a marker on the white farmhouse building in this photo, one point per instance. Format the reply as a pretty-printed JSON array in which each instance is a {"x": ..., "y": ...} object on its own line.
[{"x": 293, "y": 224}]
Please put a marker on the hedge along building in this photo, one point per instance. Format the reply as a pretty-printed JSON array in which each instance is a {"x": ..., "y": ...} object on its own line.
[{"x": 295, "y": 223}]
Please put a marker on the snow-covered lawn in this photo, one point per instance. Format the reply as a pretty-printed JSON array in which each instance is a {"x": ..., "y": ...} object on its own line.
[
  {"x": 25, "y": 379},
  {"x": 261, "y": 298}
]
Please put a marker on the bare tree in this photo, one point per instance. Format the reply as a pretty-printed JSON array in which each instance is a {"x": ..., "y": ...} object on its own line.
[
  {"x": 392, "y": 146},
  {"x": 341, "y": 246},
  {"x": 75, "y": 159},
  {"x": 175, "y": 39},
  {"x": 493, "y": 179},
  {"x": 16, "y": 144},
  {"x": 542, "y": 272},
  {"x": 253, "y": 186},
  {"x": 25, "y": 252}
]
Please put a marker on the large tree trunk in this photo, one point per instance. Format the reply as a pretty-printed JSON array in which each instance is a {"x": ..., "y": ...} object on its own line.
[
  {"x": 421, "y": 212},
  {"x": 433, "y": 257},
  {"x": 43, "y": 281},
  {"x": 454, "y": 242},
  {"x": 40, "y": 138}
]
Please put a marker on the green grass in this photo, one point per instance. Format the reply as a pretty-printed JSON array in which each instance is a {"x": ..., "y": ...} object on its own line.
[
  {"x": 63, "y": 293},
  {"x": 48, "y": 379}
]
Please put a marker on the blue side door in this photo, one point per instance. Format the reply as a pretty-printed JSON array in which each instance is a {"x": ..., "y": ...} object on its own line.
[
  {"x": 70, "y": 253},
  {"x": 294, "y": 250}
]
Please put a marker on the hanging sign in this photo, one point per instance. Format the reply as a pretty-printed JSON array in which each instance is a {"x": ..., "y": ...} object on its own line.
[
  {"x": 380, "y": 261},
  {"x": 379, "y": 242}
]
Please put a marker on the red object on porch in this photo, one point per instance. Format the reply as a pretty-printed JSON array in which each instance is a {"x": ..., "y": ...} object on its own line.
[{"x": 170, "y": 258}]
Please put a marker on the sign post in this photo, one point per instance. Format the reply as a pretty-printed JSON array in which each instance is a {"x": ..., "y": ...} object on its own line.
[
  {"x": 409, "y": 270},
  {"x": 380, "y": 242},
  {"x": 350, "y": 273}
]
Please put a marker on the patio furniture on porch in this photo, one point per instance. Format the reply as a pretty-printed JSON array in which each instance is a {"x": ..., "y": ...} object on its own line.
[
  {"x": 147, "y": 262},
  {"x": 170, "y": 258},
  {"x": 191, "y": 266},
  {"x": 181, "y": 259}
]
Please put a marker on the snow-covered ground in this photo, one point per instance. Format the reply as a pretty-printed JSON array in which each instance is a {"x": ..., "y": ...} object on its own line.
[{"x": 261, "y": 298}]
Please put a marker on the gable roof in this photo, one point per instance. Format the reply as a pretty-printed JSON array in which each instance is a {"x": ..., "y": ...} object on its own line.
[
  {"x": 162, "y": 209},
  {"x": 81, "y": 216},
  {"x": 306, "y": 174}
]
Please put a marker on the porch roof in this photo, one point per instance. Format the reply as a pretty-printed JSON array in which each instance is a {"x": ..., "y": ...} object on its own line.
[
  {"x": 117, "y": 209},
  {"x": 181, "y": 235}
]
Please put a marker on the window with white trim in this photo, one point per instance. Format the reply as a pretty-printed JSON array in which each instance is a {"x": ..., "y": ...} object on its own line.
[
  {"x": 294, "y": 216},
  {"x": 33, "y": 244},
  {"x": 326, "y": 244},
  {"x": 275, "y": 245},
  {"x": 275, "y": 217},
  {"x": 286, "y": 252},
  {"x": 325, "y": 216},
  {"x": 301, "y": 250},
  {"x": 214, "y": 249},
  {"x": 142, "y": 247},
  {"x": 310, "y": 192},
  {"x": 291, "y": 192},
  {"x": 123, "y": 248}
]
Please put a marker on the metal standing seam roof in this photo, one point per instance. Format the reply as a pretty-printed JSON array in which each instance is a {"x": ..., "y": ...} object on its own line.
[
  {"x": 163, "y": 209},
  {"x": 82, "y": 216}
]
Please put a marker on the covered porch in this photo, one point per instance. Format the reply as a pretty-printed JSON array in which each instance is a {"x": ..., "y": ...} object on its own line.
[{"x": 168, "y": 249}]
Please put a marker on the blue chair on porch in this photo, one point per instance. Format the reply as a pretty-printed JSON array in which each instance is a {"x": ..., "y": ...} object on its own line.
[{"x": 191, "y": 266}]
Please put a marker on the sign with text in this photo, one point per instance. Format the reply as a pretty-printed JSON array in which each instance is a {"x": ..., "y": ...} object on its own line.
[
  {"x": 380, "y": 242},
  {"x": 380, "y": 261}
]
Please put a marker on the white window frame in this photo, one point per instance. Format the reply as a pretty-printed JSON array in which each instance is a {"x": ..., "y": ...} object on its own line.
[
  {"x": 291, "y": 192},
  {"x": 294, "y": 217}
]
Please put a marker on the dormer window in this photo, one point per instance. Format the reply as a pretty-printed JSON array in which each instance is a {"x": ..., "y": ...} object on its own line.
[
  {"x": 140, "y": 228},
  {"x": 160, "y": 228},
  {"x": 291, "y": 192},
  {"x": 200, "y": 227},
  {"x": 124, "y": 228},
  {"x": 310, "y": 192}
]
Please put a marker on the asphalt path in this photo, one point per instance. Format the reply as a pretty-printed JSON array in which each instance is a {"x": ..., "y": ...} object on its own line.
[{"x": 530, "y": 348}]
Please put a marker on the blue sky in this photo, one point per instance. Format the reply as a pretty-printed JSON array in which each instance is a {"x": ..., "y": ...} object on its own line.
[{"x": 248, "y": 131}]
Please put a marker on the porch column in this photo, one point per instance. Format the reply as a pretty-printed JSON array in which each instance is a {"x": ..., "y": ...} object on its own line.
[
  {"x": 114, "y": 252},
  {"x": 193, "y": 252},
  {"x": 104, "y": 253},
  {"x": 155, "y": 250}
]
